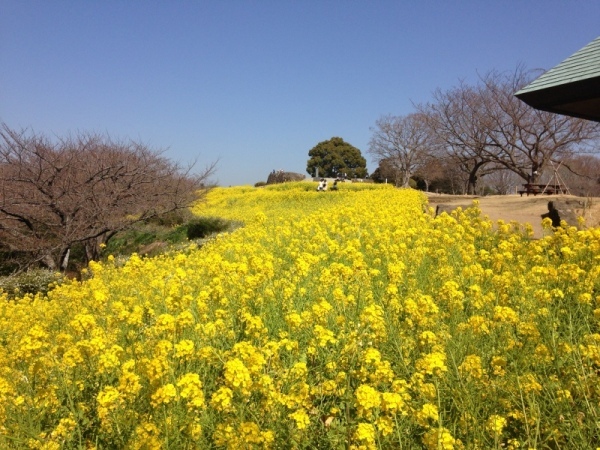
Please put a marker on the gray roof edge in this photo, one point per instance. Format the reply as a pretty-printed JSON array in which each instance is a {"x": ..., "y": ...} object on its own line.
[{"x": 581, "y": 65}]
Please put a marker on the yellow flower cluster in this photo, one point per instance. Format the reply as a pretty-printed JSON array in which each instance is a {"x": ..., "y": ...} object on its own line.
[{"x": 351, "y": 319}]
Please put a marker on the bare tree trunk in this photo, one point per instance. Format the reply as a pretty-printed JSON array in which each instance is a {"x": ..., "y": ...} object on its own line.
[
  {"x": 92, "y": 250},
  {"x": 405, "y": 179},
  {"x": 65, "y": 259},
  {"x": 472, "y": 184},
  {"x": 49, "y": 262}
]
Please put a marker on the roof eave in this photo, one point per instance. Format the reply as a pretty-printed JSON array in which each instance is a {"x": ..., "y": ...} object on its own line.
[{"x": 566, "y": 98}]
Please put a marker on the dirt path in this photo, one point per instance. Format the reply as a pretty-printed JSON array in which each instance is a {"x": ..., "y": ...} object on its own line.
[{"x": 521, "y": 209}]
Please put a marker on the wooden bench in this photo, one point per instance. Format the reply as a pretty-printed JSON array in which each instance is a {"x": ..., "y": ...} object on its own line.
[
  {"x": 535, "y": 189},
  {"x": 529, "y": 189}
]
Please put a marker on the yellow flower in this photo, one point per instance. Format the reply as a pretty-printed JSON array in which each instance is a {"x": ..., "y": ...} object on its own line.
[
  {"x": 495, "y": 424},
  {"x": 221, "y": 399},
  {"x": 64, "y": 428},
  {"x": 385, "y": 425},
  {"x": 250, "y": 433},
  {"x": 367, "y": 399},
  {"x": 471, "y": 367},
  {"x": 191, "y": 390},
  {"x": 429, "y": 412},
  {"x": 237, "y": 376},
  {"x": 164, "y": 395},
  {"x": 392, "y": 402},
  {"x": 505, "y": 314},
  {"x": 324, "y": 336},
  {"x": 184, "y": 349},
  {"x": 499, "y": 365},
  {"x": 147, "y": 437},
  {"x": 530, "y": 383},
  {"x": 439, "y": 439},
  {"x": 294, "y": 320},
  {"x": 129, "y": 382},
  {"x": 108, "y": 400},
  {"x": 365, "y": 432},
  {"x": 301, "y": 418},
  {"x": 433, "y": 363},
  {"x": 83, "y": 322},
  {"x": 109, "y": 359}
]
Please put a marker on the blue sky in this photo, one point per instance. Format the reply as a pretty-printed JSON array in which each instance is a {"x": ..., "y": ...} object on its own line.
[{"x": 257, "y": 84}]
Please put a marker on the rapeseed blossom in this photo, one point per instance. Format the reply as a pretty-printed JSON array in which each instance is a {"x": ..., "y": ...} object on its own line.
[{"x": 356, "y": 319}]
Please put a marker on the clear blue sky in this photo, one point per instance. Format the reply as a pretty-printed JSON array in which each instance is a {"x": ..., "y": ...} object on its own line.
[{"x": 257, "y": 84}]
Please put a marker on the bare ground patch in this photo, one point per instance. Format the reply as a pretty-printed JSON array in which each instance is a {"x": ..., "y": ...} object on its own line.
[{"x": 522, "y": 209}]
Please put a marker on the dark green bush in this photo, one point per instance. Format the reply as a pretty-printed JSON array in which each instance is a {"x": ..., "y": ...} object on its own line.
[{"x": 205, "y": 226}]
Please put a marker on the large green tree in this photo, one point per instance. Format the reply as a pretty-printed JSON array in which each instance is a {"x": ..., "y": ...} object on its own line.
[{"x": 334, "y": 158}]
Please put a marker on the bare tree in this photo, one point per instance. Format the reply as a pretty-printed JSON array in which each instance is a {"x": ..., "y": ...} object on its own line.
[
  {"x": 581, "y": 174},
  {"x": 433, "y": 169},
  {"x": 502, "y": 181},
  {"x": 384, "y": 172},
  {"x": 454, "y": 181},
  {"x": 525, "y": 139},
  {"x": 485, "y": 128},
  {"x": 403, "y": 142},
  {"x": 83, "y": 189},
  {"x": 457, "y": 119}
]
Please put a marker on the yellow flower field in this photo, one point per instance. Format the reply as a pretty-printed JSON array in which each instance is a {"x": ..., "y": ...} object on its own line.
[{"x": 349, "y": 319}]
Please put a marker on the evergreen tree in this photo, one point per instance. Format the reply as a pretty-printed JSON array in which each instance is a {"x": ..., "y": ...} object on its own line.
[{"x": 336, "y": 158}]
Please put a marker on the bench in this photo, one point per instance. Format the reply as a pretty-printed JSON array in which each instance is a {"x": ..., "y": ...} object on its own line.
[
  {"x": 529, "y": 190},
  {"x": 535, "y": 189}
]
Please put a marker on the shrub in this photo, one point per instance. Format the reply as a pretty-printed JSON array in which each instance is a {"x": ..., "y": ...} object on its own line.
[
  {"x": 172, "y": 219},
  {"x": 203, "y": 226},
  {"x": 31, "y": 282}
]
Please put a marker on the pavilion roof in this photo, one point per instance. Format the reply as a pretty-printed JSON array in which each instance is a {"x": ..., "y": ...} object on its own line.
[{"x": 571, "y": 88}]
